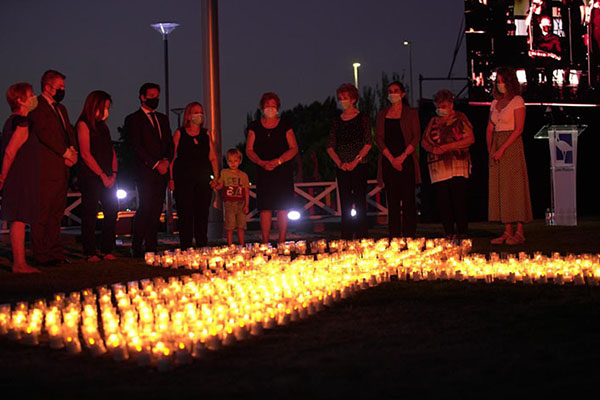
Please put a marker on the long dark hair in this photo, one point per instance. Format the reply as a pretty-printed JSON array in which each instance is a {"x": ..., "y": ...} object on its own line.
[{"x": 94, "y": 106}]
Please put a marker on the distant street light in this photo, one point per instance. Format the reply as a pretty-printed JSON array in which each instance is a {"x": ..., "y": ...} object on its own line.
[
  {"x": 164, "y": 28},
  {"x": 356, "y": 65},
  {"x": 408, "y": 44}
]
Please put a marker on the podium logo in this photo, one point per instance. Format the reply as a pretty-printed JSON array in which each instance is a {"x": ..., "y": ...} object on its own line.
[{"x": 564, "y": 148}]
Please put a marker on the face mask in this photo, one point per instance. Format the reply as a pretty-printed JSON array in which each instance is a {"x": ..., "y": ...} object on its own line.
[
  {"x": 198, "y": 118},
  {"x": 501, "y": 88},
  {"x": 345, "y": 104},
  {"x": 442, "y": 112},
  {"x": 32, "y": 104},
  {"x": 270, "y": 112},
  {"x": 395, "y": 98},
  {"x": 59, "y": 95},
  {"x": 152, "y": 103}
]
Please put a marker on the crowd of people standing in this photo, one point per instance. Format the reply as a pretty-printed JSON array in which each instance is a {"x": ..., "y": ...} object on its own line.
[{"x": 39, "y": 145}]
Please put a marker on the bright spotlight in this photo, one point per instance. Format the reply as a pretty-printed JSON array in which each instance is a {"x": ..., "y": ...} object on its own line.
[
  {"x": 353, "y": 212},
  {"x": 294, "y": 215},
  {"x": 121, "y": 194}
]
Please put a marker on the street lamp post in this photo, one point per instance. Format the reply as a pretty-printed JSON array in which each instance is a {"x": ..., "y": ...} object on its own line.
[
  {"x": 410, "y": 67},
  {"x": 356, "y": 65},
  {"x": 164, "y": 28}
]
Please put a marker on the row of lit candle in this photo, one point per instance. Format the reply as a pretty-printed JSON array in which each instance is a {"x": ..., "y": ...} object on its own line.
[
  {"x": 242, "y": 291},
  {"x": 168, "y": 322}
]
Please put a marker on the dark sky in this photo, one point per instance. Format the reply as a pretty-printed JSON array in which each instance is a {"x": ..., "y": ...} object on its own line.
[{"x": 300, "y": 49}]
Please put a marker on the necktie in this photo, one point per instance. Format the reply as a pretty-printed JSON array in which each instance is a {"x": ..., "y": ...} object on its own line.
[
  {"x": 62, "y": 123},
  {"x": 156, "y": 125}
]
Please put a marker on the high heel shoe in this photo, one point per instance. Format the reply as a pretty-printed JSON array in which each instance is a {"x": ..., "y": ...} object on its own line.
[
  {"x": 501, "y": 239},
  {"x": 517, "y": 238}
]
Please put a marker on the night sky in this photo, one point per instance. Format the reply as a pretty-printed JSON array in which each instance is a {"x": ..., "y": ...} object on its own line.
[{"x": 300, "y": 49}]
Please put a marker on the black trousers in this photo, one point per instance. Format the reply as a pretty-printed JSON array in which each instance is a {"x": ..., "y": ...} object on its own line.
[
  {"x": 92, "y": 192},
  {"x": 452, "y": 204},
  {"x": 400, "y": 187},
  {"x": 193, "y": 205},
  {"x": 151, "y": 198},
  {"x": 45, "y": 234},
  {"x": 352, "y": 187}
]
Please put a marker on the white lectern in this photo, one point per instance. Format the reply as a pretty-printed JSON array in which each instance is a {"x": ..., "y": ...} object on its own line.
[{"x": 563, "y": 168}]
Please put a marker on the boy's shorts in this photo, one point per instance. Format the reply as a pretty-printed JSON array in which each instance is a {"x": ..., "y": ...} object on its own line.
[{"x": 235, "y": 217}]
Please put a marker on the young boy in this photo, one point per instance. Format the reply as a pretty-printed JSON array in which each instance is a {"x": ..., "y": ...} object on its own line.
[{"x": 235, "y": 195}]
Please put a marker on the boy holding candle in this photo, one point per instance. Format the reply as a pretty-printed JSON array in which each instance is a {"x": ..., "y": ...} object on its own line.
[{"x": 235, "y": 194}]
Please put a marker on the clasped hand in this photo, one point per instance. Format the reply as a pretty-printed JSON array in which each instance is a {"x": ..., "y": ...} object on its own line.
[
  {"x": 108, "y": 181},
  {"x": 398, "y": 161},
  {"x": 163, "y": 166},
  {"x": 270, "y": 165},
  {"x": 441, "y": 149},
  {"x": 70, "y": 156},
  {"x": 348, "y": 166}
]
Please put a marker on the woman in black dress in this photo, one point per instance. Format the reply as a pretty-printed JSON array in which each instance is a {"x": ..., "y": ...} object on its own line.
[
  {"x": 271, "y": 145},
  {"x": 349, "y": 144},
  {"x": 194, "y": 162},
  {"x": 97, "y": 176},
  {"x": 19, "y": 180},
  {"x": 398, "y": 133}
]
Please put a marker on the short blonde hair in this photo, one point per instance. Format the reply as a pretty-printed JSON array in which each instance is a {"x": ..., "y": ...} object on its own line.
[
  {"x": 16, "y": 92},
  {"x": 234, "y": 153}
]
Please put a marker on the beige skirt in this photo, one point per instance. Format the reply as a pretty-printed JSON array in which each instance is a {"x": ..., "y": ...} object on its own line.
[{"x": 509, "y": 199}]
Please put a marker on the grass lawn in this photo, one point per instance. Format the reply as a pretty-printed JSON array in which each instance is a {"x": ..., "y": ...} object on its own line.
[{"x": 395, "y": 340}]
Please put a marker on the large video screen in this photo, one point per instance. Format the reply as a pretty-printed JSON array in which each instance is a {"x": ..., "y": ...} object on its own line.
[{"x": 553, "y": 45}]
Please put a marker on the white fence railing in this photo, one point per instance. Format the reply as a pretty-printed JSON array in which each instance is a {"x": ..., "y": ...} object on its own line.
[
  {"x": 316, "y": 200},
  {"x": 321, "y": 200}
]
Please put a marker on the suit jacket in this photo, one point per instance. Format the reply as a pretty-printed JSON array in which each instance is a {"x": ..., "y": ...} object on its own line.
[
  {"x": 47, "y": 126},
  {"x": 411, "y": 130},
  {"x": 147, "y": 146}
]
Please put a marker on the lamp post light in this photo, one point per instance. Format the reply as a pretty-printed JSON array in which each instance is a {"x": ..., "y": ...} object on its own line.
[
  {"x": 356, "y": 65},
  {"x": 408, "y": 44},
  {"x": 164, "y": 28}
]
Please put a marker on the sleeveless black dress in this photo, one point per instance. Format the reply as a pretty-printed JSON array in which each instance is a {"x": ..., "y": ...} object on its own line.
[
  {"x": 274, "y": 189},
  {"x": 101, "y": 148},
  {"x": 21, "y": 191},
  {"x": 192, "y": 165}
]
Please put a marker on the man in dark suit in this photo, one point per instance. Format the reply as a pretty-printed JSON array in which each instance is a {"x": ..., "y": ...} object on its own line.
[
  {"x": 50, "y": 122},
  {"x": 149, "y": 135}
]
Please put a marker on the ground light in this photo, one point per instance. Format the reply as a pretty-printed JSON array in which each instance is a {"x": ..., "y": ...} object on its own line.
[
  {"x": 353, "y": 212},
  {"x": 294, "y": 215}
]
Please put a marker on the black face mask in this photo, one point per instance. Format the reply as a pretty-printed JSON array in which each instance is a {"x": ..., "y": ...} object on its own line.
[
  {"x": 152, "y": 103},
  {"x": 59, "y": 95}
]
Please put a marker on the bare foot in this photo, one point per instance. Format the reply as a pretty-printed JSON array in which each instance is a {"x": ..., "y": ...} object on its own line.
[{"x": 25, "y": 269}]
